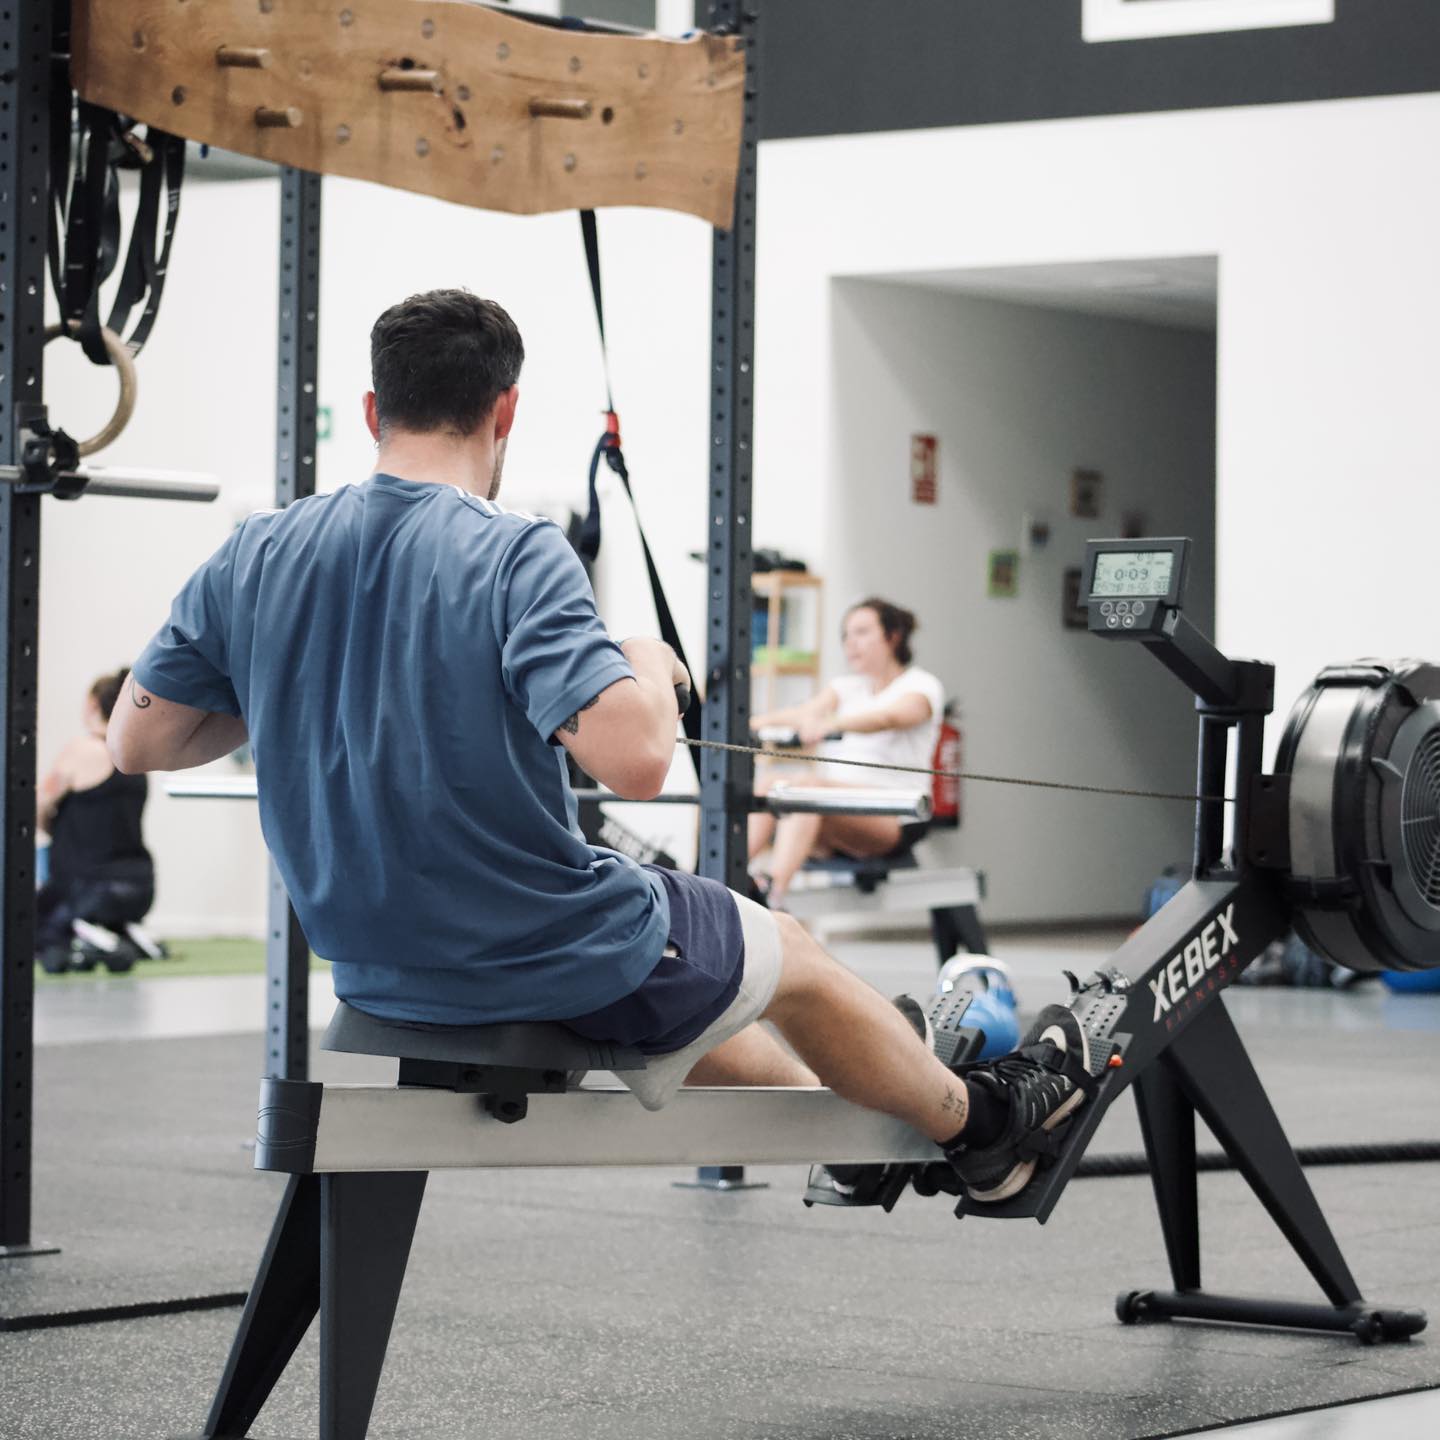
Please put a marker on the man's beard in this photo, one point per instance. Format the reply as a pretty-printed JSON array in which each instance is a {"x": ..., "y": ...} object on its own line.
[{"x": 499, "y": 466}]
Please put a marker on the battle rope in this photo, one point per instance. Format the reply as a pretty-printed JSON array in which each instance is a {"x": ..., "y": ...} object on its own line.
[
  {"x": 1384, "y": 1153},
  {"x": 957, "y": 774}
]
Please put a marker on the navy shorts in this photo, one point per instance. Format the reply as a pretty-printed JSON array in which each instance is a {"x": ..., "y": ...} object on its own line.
[{"x": 695, "y": 980}]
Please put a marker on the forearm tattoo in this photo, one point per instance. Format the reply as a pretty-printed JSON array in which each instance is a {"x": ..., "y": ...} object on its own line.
[
  {"x": 572, "y": 725},
  {"x": 956, "y": 1103},
  {"x": 142, "y": 702}
]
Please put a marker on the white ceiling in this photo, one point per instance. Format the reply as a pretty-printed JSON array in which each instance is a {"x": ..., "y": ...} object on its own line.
[{"x": 1177, "y": 290}]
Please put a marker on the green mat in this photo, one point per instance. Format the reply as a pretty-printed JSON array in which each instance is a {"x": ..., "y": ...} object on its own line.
[{"x": 224, "y": 955}]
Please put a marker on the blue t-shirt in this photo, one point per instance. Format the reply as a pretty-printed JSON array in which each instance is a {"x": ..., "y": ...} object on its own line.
[{"x": 402, "y": 654}]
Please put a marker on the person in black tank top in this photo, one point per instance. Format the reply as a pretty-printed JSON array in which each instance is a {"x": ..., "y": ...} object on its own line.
[{"x": 100, "y": 870}]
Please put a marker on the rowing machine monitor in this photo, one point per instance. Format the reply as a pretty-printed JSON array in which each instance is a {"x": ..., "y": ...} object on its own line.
[{"x": 1134, "y": 590}]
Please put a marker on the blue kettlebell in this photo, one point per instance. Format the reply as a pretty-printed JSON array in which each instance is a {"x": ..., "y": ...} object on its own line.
[{"x": 992, "y": 1005}]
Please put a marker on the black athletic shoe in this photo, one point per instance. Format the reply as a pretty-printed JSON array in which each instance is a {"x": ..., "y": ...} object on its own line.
[
  {"x": 858, "y": 1180},
  {"x": 54, "y": 959},
  {"x": 1041, "y": 1081}
]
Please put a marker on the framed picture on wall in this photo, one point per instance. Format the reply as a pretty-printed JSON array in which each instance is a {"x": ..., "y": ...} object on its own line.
[
  {"x": 1085, "y": 490},
  {"x": 1073, "y": 614},
  {"x": 1003, "y": 581}
]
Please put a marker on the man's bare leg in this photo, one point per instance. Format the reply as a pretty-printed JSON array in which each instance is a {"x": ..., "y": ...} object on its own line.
[
  {"x": 858, "y": 1043},
  {"x": 753, "y": 1057}
]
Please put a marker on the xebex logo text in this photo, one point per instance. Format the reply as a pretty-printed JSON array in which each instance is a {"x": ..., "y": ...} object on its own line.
[{"x": 1194, "y": 969}]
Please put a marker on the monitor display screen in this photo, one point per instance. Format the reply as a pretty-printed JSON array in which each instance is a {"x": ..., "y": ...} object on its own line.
[{"x": 1133, "y": 572}]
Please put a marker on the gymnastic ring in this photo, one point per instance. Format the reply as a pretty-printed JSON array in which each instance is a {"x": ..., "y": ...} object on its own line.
[{"x": 124, "y": 363}]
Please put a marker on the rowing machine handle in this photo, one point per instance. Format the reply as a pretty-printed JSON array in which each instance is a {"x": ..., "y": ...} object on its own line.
[{"x": 784, "y": 738}]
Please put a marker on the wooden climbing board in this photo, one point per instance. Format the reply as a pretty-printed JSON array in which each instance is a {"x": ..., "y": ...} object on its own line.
[{"x": 437, "y": 96}]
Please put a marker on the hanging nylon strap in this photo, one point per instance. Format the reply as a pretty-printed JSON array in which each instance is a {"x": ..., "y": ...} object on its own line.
[
  {"x": 609, "y": 449},
  {"x": 592, "y": 262},
  {"x": 83, "y": 244}
]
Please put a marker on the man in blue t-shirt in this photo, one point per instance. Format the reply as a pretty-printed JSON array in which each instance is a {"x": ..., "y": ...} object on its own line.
[{"x": 410, "y": 663}]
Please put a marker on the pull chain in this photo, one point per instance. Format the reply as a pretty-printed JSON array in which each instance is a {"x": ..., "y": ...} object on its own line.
[{"x": 793, "y": 755}]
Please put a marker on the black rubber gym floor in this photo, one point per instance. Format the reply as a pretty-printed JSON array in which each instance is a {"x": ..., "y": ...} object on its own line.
[{"x": 565, "y": 1304}]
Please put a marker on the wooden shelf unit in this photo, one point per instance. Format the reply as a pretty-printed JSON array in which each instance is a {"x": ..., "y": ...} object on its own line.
[{"x": 773, "y": 585}]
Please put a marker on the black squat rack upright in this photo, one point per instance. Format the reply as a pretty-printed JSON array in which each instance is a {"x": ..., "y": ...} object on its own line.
[{"x": 29, "y": 68}]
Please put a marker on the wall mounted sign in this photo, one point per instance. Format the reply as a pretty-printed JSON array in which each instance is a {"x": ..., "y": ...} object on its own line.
[
  {"x": 1004, "y": 576},
  {"x": 1148, "y": 19},
  {"x": 1034, "y": 531},
  {"x": 924, "y": 469}
]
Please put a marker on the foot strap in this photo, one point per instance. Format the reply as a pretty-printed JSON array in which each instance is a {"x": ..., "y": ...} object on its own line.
[
  {"x": 1043, "y": 1144},
  {"x": 1063, "y": 1062}
]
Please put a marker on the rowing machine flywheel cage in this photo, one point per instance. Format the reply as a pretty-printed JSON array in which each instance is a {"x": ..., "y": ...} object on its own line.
[{"x": 1362, "y": 750}]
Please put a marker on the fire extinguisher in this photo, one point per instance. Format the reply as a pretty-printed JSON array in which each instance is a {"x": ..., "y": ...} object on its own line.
[{"x": 945, "y": 789}]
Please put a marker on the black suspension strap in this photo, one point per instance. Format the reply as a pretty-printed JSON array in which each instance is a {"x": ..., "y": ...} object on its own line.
[
  {"x": 89, "y": 148},
  {"x": 591, "y": 235},
  {"x": 608, "y": 448}
]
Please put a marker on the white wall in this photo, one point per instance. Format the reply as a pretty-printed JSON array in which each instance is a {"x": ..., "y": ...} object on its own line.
[
  {"x": 1329, "y": 326},
  {"x": 1329, "y": 337},
  {"x": 1329, "y": 332},
  {"x": 1019, "y": 397}
]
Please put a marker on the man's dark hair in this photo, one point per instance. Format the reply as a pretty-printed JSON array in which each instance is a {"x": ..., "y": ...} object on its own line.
[
  {"x": 441, "y": 360},
  {"x": 898, "y": 624}
]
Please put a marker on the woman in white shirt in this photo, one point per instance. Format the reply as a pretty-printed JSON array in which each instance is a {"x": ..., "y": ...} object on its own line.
[{"x": 887, "y": 710}]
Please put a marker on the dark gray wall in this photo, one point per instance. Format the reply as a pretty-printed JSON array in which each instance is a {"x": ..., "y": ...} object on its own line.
[
  {"x": 639, "y": 13},
  {"x": 836, "y": 67}
]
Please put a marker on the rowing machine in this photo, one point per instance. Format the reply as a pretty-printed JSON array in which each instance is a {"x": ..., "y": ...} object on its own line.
[{"x": 1343, "y": 841}]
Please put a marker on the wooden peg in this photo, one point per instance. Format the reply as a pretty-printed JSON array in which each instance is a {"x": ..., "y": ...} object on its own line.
[
  {"x": 560, "y": 109},
  {"x": 286, "y": 118},
  {"x": 410, "y": 80},
  {"x": 241, "y": 57}
]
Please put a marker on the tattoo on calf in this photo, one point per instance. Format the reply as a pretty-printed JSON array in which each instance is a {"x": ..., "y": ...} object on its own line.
[
  {"x": 956, "y": 1103},
  {"x": 572, "y": 725},
  {"x": 142, "y": 702}
]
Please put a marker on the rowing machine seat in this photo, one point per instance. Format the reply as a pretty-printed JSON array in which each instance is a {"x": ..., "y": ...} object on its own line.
[
  {"x": 506, "y": 1062},
  {"x": 546, "y": 1045}
]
